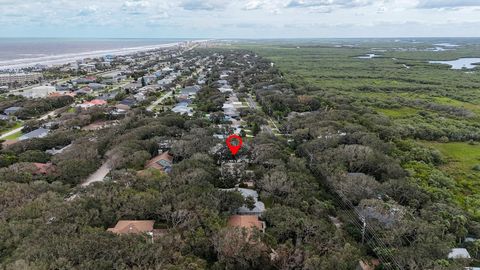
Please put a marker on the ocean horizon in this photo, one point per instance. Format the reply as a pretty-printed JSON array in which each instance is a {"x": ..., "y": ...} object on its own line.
[{"x": 30, "y": 48}]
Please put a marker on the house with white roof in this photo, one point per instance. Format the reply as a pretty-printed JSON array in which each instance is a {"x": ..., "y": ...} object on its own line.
[{"x": 459, "y": 253}]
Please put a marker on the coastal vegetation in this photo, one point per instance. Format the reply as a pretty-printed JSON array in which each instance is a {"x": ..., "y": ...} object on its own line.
[{"x": 355, "y": 159}]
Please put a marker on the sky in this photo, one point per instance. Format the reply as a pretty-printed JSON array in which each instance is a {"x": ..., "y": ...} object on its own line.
[{"x": 239, "y": 18}]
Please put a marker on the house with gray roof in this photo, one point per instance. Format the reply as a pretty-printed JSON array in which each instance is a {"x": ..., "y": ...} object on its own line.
[
  {"x": 190, "y": 90},
  {"x": 12, "y": 110},
  {"x": 96, "y": 86},
  {"x": 259, "y": 207},
  {"x": 182, "y": 108},
  {"x": 37, "y": 133}
]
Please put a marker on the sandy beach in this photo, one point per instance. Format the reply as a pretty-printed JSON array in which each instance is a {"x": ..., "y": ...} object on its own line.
[{"x": 72, "y": 57}]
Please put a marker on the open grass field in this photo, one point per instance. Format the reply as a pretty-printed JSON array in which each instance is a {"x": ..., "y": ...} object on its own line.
[{"x": 461, "y": 159}]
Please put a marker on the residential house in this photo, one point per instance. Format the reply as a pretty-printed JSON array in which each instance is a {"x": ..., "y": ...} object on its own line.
[
  {"x": 11, "y": 110},
  {"x": 63, "y": 87},
  {"x": 167, "y": 69},
  {"x": 190, "y": 90},
  {"x": 39, "y": 91},
  {"x": 83, "y": 91},
  {"x": 133, "y": 227},
  {"x": 165, "y": 81},
  {"x": 87, "y": 67},
  {"x": 37, "y": 133},
  {"x": 132, "y": 87},
  {"x": 149, "y": 79},
  {"x": 62, "y": 94},
  {"x": 85, "y": 80},
  {"x": 459, "y": 253},
  {"x": 222, "y": 83},
  {"x": 96, "y": 86},
  {"x": 162, "y": 162},
  {"x": 147, "y": 89},
  {"x": 259, "y": 207},
  {"x": 113, "y": 77},
  {"x": 182, "y": 108},
  {"x": 43, "y": 168},
  {"x": 92, "y": 103},
  {"x": 140, "y": 97},
  {"x": 247, "y": 222},
  {"x": 126, "y": 104},
  {"x": 108, "y": 96},
  {"x": 367, "y": 264}
]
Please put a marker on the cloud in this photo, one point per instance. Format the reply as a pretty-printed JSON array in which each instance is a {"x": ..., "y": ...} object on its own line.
[
  {"x": 136, "y": 7},
  {"x": 325, "y": 4},
  {"x": 87, "y": 11},
  {"x": 219, "y": 18},
  {"x": 207, "y": 5},
  {"x": 439, "y": 4},
  {"x": 254, "y": 4}
]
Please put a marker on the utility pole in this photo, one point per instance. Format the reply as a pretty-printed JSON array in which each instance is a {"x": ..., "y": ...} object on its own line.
[{"x": 364, "y": 226}]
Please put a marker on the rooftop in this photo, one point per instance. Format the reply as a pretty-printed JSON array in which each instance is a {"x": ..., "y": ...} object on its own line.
[
  {"x": 132, "y": 226},
  {"x": 37, "y": 133},
  {"x": 459, "y": 253},
  {"x": 161, "y": 162},
  {"x": 248, "y": 222}
]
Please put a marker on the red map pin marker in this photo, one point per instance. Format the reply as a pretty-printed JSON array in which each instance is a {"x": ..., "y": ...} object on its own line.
[{"x": 234, "y": 148}]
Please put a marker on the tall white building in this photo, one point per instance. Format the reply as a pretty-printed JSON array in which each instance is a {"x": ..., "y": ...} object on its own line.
[{"x": 21, "y": 78}]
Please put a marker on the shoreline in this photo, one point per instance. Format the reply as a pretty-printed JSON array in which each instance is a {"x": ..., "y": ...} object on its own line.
[{"x": 72, "y": 57}]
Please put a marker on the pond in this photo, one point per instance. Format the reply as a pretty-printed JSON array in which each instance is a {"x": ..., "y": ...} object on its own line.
[{"x": 468, "y": 63}]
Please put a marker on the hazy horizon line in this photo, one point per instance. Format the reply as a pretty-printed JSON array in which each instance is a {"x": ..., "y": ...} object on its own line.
[{"x": 244, "y": 38}]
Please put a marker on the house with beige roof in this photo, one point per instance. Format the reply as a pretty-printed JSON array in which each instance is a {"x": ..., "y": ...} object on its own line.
[
  {"x": 133, "y": 226},
  {"x": 246, "y": 221}
]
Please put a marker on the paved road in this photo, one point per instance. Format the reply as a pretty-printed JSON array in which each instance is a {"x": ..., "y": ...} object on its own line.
[
  {"x": 11, "y": 132},
  {"x": 43, "y": 117},
  {"x": 271, "y": 128},
  {"x": 167, "y": 95},
  {"x": 99, "y": 175},
  {"x": 251, "y": 103}
]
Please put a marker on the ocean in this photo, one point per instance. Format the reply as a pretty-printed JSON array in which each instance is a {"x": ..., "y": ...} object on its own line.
[{"x": 17, "y": 52}]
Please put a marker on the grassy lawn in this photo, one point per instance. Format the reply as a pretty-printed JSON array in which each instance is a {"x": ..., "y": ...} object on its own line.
[
  {"x": 460, "y": 155},
  {"x": 17, "y": 125},
  {"x": 14, "y": 136}
]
